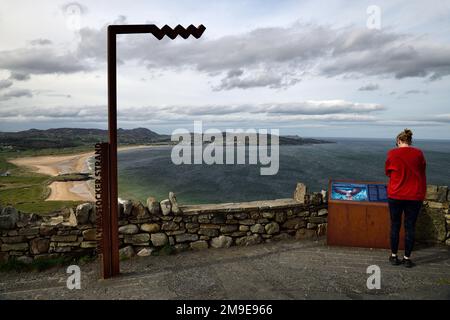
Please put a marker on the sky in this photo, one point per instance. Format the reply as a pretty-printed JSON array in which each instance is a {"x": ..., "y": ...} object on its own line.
[{"x": 365, "y": 69}]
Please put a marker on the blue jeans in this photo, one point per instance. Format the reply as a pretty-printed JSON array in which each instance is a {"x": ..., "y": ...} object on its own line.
[{"x": 411, "y": 209}]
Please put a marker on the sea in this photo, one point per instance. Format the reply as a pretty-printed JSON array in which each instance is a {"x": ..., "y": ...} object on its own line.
[{"x": 150, "y": 171}]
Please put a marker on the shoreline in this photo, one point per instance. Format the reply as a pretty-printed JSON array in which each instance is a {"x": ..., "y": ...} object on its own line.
[{"x": 55, "y": 165}]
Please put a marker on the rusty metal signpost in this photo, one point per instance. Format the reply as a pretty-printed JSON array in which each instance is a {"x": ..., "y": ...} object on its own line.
[{"x": 106, "y": 186}]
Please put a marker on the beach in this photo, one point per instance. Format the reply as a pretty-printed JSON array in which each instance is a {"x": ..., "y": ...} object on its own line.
[{"x": 60, "y": 164}]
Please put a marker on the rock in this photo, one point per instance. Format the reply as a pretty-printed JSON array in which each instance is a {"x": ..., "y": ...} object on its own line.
[
  {"x": 129, "y": 229},
  {"x": 180, "y": 247},
  {"x": 186, "y": 237},
  {"x": 140, "y": 238},
  {"x": 64, "y": 238},
  {"x": 29, "y": 231},
  {"x": 272, "y": 228},
  {"x": 268, "y": 215},
  {"x": 55, "y": 221},
  {"x": 318, "y": 220},
  {"x": 25, "y": 259},
  {"x": 221, "y": 242},
  {"x": 170, "y": 226},
  {"x": 199, "y": 245},
  {"x": 127, "y": 207},
  {"x": 305, "y": 234},
  {"x": 120, "y": 213},
  {"x": 209, "y": 232},
  {"x": 257, "y": 228},
  {"x": 241, "y": 215},
  {"x": 294, "y": 223},
  {"x": 447, "y": 242},
  {"x": 324, "y": 195},
  {"x": 4, "y": 257},
  {"x": 192, "y": 225},
  {"x": 247, "y": 222},
  {"x": 281, "y": 237},
  {"x": 311, "y": 225},
  {"x": 150, "y": 227},
  {"x": 23, "y": 246},
  {"x": 431, "y": 225},
  {"x": 88, "y": 244},
  {"x": 153, "y": 206},
  {"x": 174, "y": 203},
  {"x": 322, "y": 212},
  {"x": 39, "y": 245},
  {"x": 139, "y": 211},
  {"x": 8, "y": 218},
  {"x": 432, "y": 192},
  {"x": 126, "y": 253},
  {"x": 145, "y": 252},
  {"x": 300, "y": 192},
  {"x": 90, "y": 234},
  {"x": 249, "y": 240},
  {"x": 82, "y": 213},
  {"x": 229, "y": 228},
  {"x": 159, "y": 239},
  {"x": 218, "y": 218},
  {"x": 280, "y": 217},
  {"x": 321, "y": 229},
  {"x": 93, "y": 215},
  {"x": 244, "y": 228},
  {"x": 14, "y": 239},
  {"x": 166, "y": 207}
]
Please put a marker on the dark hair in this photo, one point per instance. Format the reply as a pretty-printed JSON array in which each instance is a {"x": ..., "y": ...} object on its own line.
[{"x": 405, "y": 136}]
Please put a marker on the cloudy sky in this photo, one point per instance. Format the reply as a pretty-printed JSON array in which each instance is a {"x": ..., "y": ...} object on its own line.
[{"x": 312, "y": 68}]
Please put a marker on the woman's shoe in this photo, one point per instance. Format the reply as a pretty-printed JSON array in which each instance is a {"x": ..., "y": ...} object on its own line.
[
  {"x": 408, "y": 263},
  {"x": 394, "y": 260}
]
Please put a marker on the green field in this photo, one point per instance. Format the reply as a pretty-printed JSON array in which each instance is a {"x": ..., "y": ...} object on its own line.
[{"x": 27, "y": 190}]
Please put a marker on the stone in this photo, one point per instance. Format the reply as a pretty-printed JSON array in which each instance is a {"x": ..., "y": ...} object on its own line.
[
  {"x": 316, "y": 198},
  {"x": 55, "y": 221},
  {"x": 93, "y": 215},
  {"x": 241, "y": 215},
  {"x": 209, "y": 232},
  {"x": 88, "y": 244},
  {"x": 324, "y": 195},
  {"x": 14, "y": 239},
  {"x": 64, "y": 238},
  {"x": 281, "y": 237},
  {"x": 139, "y": 211},
  {"x": 159, "y": 239},
  {"x": 244, "y": 228},
  {"x": 305, "y": 234},
  {"x": 209, "y": 226},
  {"x": 268, "y": 215},
  {"x": 150, "y": 227},
  {"x": 221, "y": 242},
  {"x": 174, "y": 203},
  {"x": 127, "y": 207},
  {"x": 153, "y": 206},
  {"x": 176, "y": 232},
  {"x": 8, "y": 218},
  {"x": 4, "y": 257},
  {"x": 39, "y": 245},
  {"x": 129, "y": 229},
  {"x": 311, "y": 225},
  {"x": 431, "y": 226},
  {"x": 177, "y": 219},
  {"x": 90, "y": 234},
  {"x": 321, "y": 229},
  {"x": 318, "y": 220},
  {"x": 238, "y": 234},
  {"x": 25, "y": 259},
  {"x": 166, "y": 207},
  {"x": 300, "y": 192},
  {"x": 257, "y": 228},
  {"x": 249, "y": 240},
  {"x": 192, "y": 225},
  {"x": 247, "y": 222},
  {"x": 294, "y": 223},
  {"x": 186, "y": 237},
  {"x": 199, "y": 245},
  {"x": 140, "y": 238},
  {"x": 218, "y": 218},
  {"x": 322, "y": 212},
  {"x": 272, "y": 228},
  {"x": 82, "y": 213},
  {"x": 280, "y": 217},
  {"x": 145, "y": 252},
  {"x": 204, "y": 218},
  {"x": 180, "y": 247},
  {"x": 126, "y": 252},
  {"x": 432, "y": 192},
  {"x": 436, "y": 205},
  {"x": 29, "y": 231},
  {"x": 23, "y": 246},
  {"x": 229, "y": 228},
  {"x": 170, "y": 226}
]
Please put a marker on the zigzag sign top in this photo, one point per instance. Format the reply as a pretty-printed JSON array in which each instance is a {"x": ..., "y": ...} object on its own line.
[{"x": 179, "y": 30}]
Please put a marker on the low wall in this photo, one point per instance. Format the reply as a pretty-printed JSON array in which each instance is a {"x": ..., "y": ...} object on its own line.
[{"x": 146, "y": 228}]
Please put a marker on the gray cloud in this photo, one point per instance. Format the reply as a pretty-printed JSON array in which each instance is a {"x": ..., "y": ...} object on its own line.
[
  {"x": 19, "y": 76},
  {"x": 5, "y": 84},
  {"x": 369, "y": 87},
  {"x": 41, "y": 42},
  {"x": 16, "y": 93},
  {"x": 416, "y": 92}
]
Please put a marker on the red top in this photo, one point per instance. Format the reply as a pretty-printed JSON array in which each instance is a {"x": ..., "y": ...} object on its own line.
[{"x": 405, "y": 168}]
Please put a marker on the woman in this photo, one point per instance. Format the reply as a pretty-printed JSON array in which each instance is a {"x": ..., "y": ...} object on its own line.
[{"x": 405, "y": 167}]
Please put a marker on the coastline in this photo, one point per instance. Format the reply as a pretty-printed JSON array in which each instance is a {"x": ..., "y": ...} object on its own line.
[{"x": 60, "y": 164}]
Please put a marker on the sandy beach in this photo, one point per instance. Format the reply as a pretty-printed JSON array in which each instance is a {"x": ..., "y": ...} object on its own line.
[{"x": 55, "y": 165}]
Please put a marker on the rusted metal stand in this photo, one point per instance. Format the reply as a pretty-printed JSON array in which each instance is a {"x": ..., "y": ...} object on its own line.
[{"x": 108, "y": 196}]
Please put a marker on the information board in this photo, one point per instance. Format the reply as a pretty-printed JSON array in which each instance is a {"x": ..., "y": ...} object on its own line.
[{"x": 349, "y": 191}]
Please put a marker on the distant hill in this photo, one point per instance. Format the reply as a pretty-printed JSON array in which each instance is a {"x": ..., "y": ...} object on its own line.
[{"x": 74, "y": 137}]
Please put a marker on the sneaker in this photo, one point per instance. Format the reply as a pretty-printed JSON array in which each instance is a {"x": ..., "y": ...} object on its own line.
[
  {"x": 408, "y": 263},
  {"x": 394, "y": 260}
]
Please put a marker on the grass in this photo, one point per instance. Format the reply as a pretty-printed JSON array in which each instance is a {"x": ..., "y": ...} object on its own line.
[
  {"x": 27, "y": 190},
  {"x": 43, "y": 264}
]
